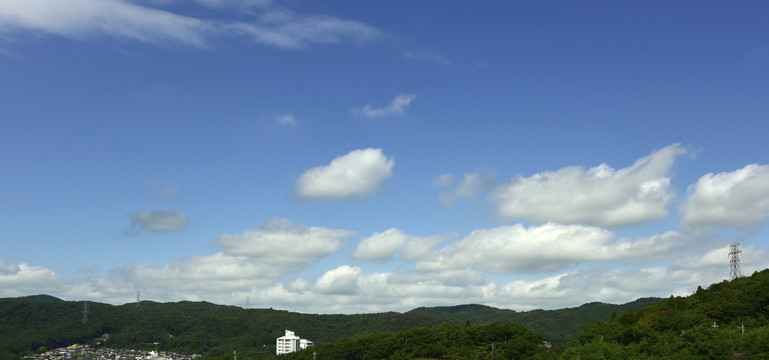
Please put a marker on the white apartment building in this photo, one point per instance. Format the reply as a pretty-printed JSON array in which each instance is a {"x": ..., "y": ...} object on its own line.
[
  {"x": 304, "y": 343},
  {"x": 290, "y": 342}
]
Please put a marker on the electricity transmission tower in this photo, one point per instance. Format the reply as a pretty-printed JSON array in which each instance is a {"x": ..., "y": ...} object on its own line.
[{"x": 734, "y": 256}]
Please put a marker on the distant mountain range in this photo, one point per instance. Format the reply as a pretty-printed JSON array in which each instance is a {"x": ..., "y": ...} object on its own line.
[{"x": 32, "y": 323}]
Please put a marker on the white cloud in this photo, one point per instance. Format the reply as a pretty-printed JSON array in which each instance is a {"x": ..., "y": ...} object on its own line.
[
  {"x": 158, "y": 221},
  {"x": 382, "y": 246},
  {"x": 549, "y": 247},
  {"x": 86, "y": 19},
  {"x": 358, "y": 173},
  {"x": 218, "y": 271},
  {"x": 472, "y": 184},
  {"x": 395, "y": 107},
  {"x": 341, "y": 281},
  {"x": 600, "y": 196},
  {"x": 281, "y": 242},
  {"x": 226, "y": 278},
  {"x": 285, "y": 29},
  {"x": 253, "y": 259},
  {"x": 83, "y": 19},
  {"x": 19, "y": 279},
  {"x": 736, "y": 198},
  {"x": 751, "y": 259},
  {"x": 218, "y": 4}
]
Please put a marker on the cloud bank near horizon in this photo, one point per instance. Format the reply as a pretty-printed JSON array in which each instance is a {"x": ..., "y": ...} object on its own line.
[{"x": 545, "y": 265}]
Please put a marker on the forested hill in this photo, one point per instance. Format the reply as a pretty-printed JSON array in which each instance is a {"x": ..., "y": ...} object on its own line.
[
  {"x": 29, "y": 323},
  {"x": 728, "y": 320},
  {"x": 558, "y": 326}
]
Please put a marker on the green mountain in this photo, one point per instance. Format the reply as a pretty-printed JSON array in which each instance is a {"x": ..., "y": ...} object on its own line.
[
  {"x": 29, "y": 323},
  {"x": 558, "y": 326},
  {"x": 728, "y": 320}
]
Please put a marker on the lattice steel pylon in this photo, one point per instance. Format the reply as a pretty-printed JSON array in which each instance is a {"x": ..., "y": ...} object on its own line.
[{"x": 734, "y": 256}]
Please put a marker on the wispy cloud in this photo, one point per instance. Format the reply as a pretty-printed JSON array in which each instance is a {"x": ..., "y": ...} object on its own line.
[
  {"x": 88, "y": 19},
  {"x": 428, "y": 56},
  {"x": 472, "y": 184},
  {"x": 286, "y": 29},
  {"x": 444, "y": 180},
  {"x": 83, "y": 19},
  {"x": 285, "y": 119},
  {"x": 395, "y": 107},
  {"x": 157, "y": 221}
]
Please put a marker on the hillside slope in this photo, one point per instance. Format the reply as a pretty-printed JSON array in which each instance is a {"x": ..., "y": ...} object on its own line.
[
  {"x": 29, "y": 323},
  {"x": 728, "y": 320}
]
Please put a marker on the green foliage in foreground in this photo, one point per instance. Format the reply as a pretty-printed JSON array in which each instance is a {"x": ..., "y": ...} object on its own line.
[
  {"x": 449, "y": 341},
  {"x": 683, "y": 328}
]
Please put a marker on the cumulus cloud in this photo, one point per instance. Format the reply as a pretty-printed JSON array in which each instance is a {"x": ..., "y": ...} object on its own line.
[
  {"x": 358, "y": 173},
  {"x": 341, "y": 281},
  {"x": 157, "y": 221},
  {"x": 395, "y": 107},
  {"x": 544, "y": 248},
  {"x": 281, "y": 242},
  {"x": 219, "y": 271},
  {"x": 228, "y": 278},
  {"x": 86, "y": 19},
  {"x": 19, "y": 279},
  {"x": 751, "y": 259},
  {"x": 382, "y": 246},
  {"x": 472, "y": 184},
  {"x": 349, "y": 289},
  {"x": 255, "y": 258},
  {"x": 599, "y": 196},
  {"x": 738, "y": 198}
]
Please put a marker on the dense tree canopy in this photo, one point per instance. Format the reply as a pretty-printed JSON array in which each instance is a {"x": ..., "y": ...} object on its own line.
[
  {"x": 28, "y": 323},
  {"x": 727, "y": 320}
]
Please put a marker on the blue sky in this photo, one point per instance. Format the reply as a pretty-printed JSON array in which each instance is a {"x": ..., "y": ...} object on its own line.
[{"x": 379, "y": 156}]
